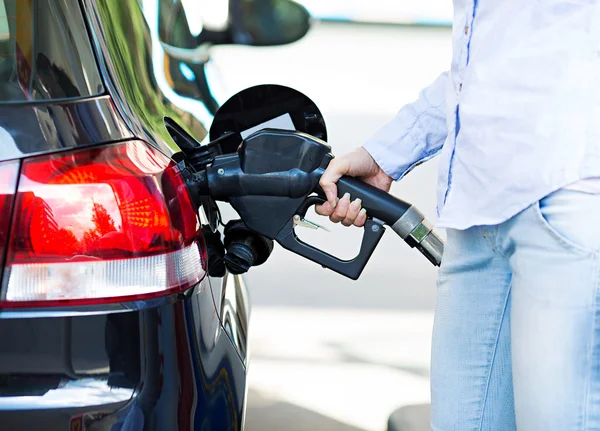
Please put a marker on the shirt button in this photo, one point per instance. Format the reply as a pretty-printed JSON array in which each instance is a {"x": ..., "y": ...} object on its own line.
[{"x": 466, "y": 29}]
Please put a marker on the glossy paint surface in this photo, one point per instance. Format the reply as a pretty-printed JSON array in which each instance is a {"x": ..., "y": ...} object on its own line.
[
  {"x": 170, "y": 363},
  {"x": 45, "y": 53},
  {"x": 170, "y": 367}
]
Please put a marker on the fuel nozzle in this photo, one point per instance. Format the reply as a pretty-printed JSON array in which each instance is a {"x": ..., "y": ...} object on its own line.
[
  {"x": 414, "y": 228},
  {"x": 267, "y": 154},
  {"x": 271, "y": 182}
]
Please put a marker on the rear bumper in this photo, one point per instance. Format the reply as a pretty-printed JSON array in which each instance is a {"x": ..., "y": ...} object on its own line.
[
  {"x": 101, "y": 417},
  {"x": 171, "y": 367}
]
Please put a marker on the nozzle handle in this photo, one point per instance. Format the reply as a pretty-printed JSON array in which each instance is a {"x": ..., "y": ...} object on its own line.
[
  {"x": 407, "y": 221},
  {"x": 379, "y": 204},
  {"x": 373, "y": 231}
]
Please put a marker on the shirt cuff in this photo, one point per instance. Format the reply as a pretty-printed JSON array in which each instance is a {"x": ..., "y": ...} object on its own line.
[{"x": 397, "y": 159}]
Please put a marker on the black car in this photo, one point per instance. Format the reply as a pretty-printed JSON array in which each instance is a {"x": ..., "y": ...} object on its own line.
[{"x": 109, "y": 316}]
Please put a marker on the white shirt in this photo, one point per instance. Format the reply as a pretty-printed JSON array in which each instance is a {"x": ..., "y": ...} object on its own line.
[
  {"x": 515, "y": 118},
  {"x": 589, "y": 185}
]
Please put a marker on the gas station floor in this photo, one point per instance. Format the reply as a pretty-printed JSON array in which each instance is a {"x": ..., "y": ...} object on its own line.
[
  {"x": 324, "y": 369},
  {"x": 265, "y": 414}
]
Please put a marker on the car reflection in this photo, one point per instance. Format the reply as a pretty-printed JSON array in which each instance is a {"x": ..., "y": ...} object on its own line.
[
  {"x": 100, "y": 204},
  {"x": 82, "y": 392},
  {"x": 32, "y": 42}
]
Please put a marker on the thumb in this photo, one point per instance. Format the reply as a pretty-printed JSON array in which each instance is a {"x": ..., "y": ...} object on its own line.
[{"x": 332, "y": 174}]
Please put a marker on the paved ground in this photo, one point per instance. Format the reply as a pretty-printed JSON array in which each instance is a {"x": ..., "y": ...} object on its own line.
[
  {"x": 352, "y": 367},
  {"x": 329, "y": 353}
]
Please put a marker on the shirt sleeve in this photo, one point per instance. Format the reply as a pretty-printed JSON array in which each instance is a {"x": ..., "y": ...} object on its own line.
[{"x": 416, "y": 134}]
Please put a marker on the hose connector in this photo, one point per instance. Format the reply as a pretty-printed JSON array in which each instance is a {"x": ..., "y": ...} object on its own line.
[{"x": 413, "y": 228}]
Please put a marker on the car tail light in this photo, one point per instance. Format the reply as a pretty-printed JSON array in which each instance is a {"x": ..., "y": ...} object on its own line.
[
  {"x": 8, "y": 183},
  {"x": 101, "y": 225}
]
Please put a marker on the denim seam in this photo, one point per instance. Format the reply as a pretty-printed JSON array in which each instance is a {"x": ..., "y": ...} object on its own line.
[
  {"x": 562, "y": 239},
  {"x": 495, "y": 248},
  {"x": 489, "y": 378},
  {"x": 592, "y": 344},
  {"x": 487, "y": 237}
]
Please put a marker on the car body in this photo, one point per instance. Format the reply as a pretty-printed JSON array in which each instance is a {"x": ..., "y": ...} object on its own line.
[{"x": 85, "y": 80}]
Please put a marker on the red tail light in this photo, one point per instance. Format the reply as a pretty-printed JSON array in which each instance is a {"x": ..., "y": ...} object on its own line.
[
  {"x": 101, "y": 225},
  {"x": 8, "y": 183}
]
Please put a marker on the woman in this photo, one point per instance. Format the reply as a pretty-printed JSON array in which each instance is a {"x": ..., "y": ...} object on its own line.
[{"x": 516, "y": 342}]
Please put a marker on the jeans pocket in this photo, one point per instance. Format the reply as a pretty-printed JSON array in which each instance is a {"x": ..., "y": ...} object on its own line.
[{"x": 569, "y": 216}]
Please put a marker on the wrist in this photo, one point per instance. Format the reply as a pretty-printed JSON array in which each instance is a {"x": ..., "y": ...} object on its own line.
[{"x": 374, "y": 166}]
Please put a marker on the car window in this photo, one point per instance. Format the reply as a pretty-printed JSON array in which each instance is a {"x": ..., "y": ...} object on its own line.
[{"x": 45, "y": 52}]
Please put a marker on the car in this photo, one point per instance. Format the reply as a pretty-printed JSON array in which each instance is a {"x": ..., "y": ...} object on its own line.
[{"x": 112, "y": 316}]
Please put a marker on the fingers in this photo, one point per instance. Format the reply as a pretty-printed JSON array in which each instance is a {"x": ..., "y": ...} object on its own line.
[
  {"x": 347, "y": 212},
  {"x": 352, "y": 213},
  {"x": 341, "y": 209},
  {"x": 325, "y": 209},
  {"x": 357, "y": 163},
  {"x": 361, "y": 219}
]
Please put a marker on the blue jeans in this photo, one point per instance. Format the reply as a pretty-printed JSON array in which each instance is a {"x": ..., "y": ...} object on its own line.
[{"x": 516, "y": 342}]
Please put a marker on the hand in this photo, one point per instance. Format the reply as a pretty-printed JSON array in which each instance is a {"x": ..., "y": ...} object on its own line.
[{"x": 361, "y": 165}]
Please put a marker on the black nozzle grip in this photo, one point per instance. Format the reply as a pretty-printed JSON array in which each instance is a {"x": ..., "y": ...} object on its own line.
[
  {"x": 404, "y": 219},
  {"x": 374, "y": 230},
  {"x": 379, "y": 204}
]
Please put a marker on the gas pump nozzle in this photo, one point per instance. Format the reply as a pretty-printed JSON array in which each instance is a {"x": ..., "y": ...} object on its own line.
[{"x": 273, "y": 179}]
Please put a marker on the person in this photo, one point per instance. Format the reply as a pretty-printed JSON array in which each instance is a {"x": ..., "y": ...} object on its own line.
[{"x": 516, "y": 121}]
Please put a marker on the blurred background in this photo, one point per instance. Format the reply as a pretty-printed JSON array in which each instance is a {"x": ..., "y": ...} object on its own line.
[{"x": 328, "y": 353}]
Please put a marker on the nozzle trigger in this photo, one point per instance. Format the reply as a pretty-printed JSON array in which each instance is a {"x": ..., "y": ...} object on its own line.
[
  {"x": 299, "y": 219},
  {"x": 302, "y": 222}
]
